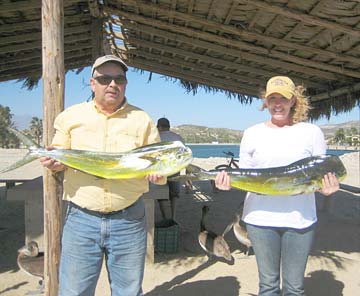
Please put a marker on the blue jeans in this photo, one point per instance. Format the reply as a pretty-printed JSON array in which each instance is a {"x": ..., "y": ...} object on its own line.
[
  {"x": 281, "y": 248},
  {"x": 89, "y": 236}
]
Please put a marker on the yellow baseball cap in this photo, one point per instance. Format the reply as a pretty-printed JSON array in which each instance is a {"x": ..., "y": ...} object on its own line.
[{"x": 282, "y": 85}]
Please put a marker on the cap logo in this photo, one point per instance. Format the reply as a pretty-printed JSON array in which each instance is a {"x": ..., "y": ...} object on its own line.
[{"x": 279, "y": 82}]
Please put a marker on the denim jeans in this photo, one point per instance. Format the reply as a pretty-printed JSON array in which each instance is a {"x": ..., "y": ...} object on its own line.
[
  {"x": 87, "y": 238},
  {"x": 284, "y": 249}
]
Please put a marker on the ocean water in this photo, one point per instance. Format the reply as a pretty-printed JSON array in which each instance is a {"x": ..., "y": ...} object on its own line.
[{"x": 205, "y": 151}]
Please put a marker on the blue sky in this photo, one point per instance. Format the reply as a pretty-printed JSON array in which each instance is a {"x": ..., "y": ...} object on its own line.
[{"x": 158, "y": 98}]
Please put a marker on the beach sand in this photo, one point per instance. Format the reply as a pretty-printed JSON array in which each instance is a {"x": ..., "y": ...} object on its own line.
[{"x": 332, "y": 269}]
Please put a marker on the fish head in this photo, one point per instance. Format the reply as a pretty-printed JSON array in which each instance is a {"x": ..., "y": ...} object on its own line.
[
  {"x": 174, "y": 158},
  {"x": 331, "y": 164}
]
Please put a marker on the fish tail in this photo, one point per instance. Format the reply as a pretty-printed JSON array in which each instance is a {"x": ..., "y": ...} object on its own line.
[
  {"x": 29, "y": 157},
  {"x": 28, "y": 143},
  {"x": 193, "y": 173}
]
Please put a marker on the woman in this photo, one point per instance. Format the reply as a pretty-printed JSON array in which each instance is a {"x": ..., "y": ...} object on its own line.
[{"x": 281, "y": 228}]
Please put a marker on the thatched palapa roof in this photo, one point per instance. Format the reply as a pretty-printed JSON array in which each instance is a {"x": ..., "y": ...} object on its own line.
[{"x": 233, "y": 46}]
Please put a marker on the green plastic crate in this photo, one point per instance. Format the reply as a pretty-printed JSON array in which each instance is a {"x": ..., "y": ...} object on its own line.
[{"x": 166, "y": 236}]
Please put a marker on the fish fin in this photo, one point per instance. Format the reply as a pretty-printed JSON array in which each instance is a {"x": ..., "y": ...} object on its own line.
[
  {"x": 26, "y": 159},
  {"x": 302, "y": 181},
  {"x": 273, "y": 180},
  {"x": 29, "y": 143},
  {"x": 149, "y": 158},
  {"x": 139, "y": 163}
]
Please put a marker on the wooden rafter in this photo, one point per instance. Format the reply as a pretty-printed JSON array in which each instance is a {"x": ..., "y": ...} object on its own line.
[
  {"x": 202, "y": 44},
  {"x": 207, "y": 69},
  {"x": 267, "y": 58},
  {"x": 300, "y": 25},
  {"x": 306, "y": 18},
  {"x": 182, "y": 74},
  {"x": 336, "y": 93},
  {"x": 241, "y": 33},
  {"x": 232, "y": 44}
]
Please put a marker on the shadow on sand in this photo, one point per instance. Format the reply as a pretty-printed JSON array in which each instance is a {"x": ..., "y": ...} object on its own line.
[
  {"x": 176, "y": 287},
  {"x": 323, "y": 283}
]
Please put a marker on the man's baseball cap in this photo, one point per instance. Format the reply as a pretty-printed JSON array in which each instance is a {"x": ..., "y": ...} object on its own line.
[
  {"x": 282, "y": 85},
  {"x": 108, "y": 58}
]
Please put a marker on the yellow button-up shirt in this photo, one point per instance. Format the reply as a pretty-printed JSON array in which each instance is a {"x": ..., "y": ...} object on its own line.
[{"x": 85, "y": 127}]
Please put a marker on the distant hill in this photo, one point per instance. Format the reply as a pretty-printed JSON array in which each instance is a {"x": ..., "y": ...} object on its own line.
[
  {"x": 22, "y": 121},
  {"x": 203, "y": 134},
  {"x": 329, "y": 130}
]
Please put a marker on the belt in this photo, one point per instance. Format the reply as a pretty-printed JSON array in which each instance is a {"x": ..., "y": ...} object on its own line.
[{"x": 98, "y": 213}]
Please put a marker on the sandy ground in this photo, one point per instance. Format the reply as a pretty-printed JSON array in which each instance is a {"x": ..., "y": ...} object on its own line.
[{"x": 332, "y": 269}]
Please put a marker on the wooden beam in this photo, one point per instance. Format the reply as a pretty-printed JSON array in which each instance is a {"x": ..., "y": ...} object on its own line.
[
  {"x": 30, "y": 25},
  {"x": 33, "y": 61},
  {"x": 299, "y": 26},
  {"x": 96, "y": 37},
  {"x": 243, "y": 76},
  {"x": 53, "y": 103},
  {"x": 173, "y": 6},
  {"x": 211, "y": 9},
  {"x": 33, "y": 37},
  {"x": 190, "y": 6},
  {"x": 84, "y": 38},
  {"x": 305, "y": 18},
  {"x": 230, "y": 13},
  {"x": 181, "y": 74},
  {"x": 229, "y": 51},
  {"x": 267, "y": 58},
  {"x": 36, "y": 71},
  {"x": 26, "y": 5},
  {"x": 241, "y": 33},
  {"x": 208, "y": 70},
  {"x": 335, "y": 93}
]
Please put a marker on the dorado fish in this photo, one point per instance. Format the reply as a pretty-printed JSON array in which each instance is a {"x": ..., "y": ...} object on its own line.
[
  {"x": 303, "y": 176},
  {"x": 164, "y": 158}
]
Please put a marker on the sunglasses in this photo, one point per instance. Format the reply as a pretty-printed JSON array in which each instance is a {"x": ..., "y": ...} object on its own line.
[{"x": 107, "y": 79}]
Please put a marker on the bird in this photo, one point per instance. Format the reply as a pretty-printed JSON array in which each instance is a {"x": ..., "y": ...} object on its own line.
[
  {"x": 31, "y": 261},
  {"x": 239, "y": 229},
  {"x": 212, "y": 243}
]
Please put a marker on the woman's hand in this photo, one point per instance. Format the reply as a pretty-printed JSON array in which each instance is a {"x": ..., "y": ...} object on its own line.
[
  {"x": 330, "y": 184},
  {"x": 51, "y": 163},
  {"x": 222, "y": 181}
]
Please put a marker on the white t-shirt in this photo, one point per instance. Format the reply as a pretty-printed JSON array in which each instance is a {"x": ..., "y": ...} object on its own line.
[
  {"x": 170, "y": 136},
  {"x": 263, "y": 147}
]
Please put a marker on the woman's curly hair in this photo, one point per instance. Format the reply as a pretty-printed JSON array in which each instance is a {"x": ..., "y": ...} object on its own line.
[{"x": 299, "y": 112}]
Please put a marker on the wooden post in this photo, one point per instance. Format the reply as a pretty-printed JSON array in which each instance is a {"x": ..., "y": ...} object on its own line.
[{"x": 53, "y": 103}]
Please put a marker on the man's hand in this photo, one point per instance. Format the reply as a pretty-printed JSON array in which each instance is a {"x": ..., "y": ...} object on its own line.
[
  {"x": 156, "y": 179},
  {"x": 330, "y": 184},
  {"x": 51, "y": 163}
]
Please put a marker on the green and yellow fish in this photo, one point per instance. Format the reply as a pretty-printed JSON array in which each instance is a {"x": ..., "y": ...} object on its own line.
[
  {"x": 164, "y": 158},
  {"x": 303, "y": 176}
]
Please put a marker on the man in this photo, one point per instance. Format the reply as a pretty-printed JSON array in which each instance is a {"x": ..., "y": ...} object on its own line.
[
  {"x": 163, "y": 126},
  {"x": 104, "y": 217}
]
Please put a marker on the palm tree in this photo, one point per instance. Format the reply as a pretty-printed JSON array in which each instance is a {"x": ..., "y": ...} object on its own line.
[
  {"x": 36, "y": 129},
  {"x": 339, "y": 136},
  {"x": 7, "y": 139}
]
